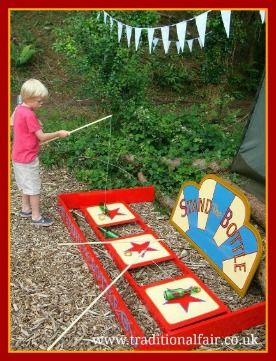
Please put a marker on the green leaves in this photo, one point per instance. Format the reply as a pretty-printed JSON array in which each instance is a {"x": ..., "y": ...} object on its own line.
[
  {"x": 113, "y": 73},
  {"x": 23, "y": 55},
  {"x": 197, "y": 122},
  {"x": 149, "y": 134}
]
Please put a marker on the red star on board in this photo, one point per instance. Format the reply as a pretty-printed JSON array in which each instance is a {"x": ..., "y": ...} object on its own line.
[
  {"x": 184, "y": 301},
  {"x": 140, "y": 247},
  {"x": 114, "y": 212}
]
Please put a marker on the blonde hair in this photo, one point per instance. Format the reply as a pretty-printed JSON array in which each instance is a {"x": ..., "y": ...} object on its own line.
[{"x": 33, "y": 88}]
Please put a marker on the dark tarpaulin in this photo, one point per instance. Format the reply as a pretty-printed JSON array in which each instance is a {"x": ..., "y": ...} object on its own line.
[{"x": 250, "y": 160}]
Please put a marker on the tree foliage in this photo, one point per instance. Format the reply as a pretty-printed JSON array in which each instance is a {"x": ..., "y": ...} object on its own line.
[
  {"x": 116, "y": 74},
  {"x": 196, "y": 120}
]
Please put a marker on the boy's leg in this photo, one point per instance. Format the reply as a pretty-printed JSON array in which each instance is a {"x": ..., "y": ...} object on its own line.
[
  {"x": 37, "y": 218},
  {"x": 34, "y": 201},
  {"x": 26, "y": 205}
]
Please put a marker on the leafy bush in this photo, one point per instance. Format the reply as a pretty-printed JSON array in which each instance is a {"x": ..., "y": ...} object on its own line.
[
  {"x": 231, "y": 60},
  {"x": 171, "y": 74},
  {"x": 121, "y": 81},
  {"x": 150, "y": 135},
  {"x": 23, "y": 55},
  {"x": 114, "y": 74}
]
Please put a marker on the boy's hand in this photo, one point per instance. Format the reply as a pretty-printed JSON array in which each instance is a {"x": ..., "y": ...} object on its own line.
[{"x": 63, "y": 133}]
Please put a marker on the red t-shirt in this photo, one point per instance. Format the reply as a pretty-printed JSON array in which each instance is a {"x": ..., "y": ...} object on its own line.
[{"x": 25, "y": 143}]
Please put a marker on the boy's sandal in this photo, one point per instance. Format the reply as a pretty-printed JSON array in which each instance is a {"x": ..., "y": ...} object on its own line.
[
  {"x": 43, "y": 221},
  {"x": 25, "y": 214}
]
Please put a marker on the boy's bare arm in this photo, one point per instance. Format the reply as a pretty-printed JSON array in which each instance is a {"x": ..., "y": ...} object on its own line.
[
  {"x": 12, "y": 118},
  {"x": 48, "y": 136}
]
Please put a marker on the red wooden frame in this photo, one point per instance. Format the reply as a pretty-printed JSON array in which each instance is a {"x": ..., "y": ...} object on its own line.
[{"x": 221, "y": 323}]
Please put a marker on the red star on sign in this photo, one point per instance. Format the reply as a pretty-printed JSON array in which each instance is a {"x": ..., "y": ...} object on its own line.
[
  {"x": 140, "y": 247},
  {"x": 114, "y": 212},
  {"x": 185, "y": 301}
]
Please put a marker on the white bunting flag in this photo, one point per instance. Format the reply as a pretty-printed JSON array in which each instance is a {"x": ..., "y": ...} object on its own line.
[
  {"x": 226, "y": 17},
  {"x": 120, "y": 29},
  {"x": 150, "y": 37},
  {"x": 128, "y": 34},
  {"x": 165, "y": 30},
  {"x": 200, "y": 43},
  {"x": 166, "y": 45},
  {"x": 111, "y": 23},
  {"x": 98, "y": 15},
  {"x": 201, "y": 26},
  {"x": 154, "y": 42},
  {"x": 137, "y": 32},
  {"x": 190, "y": 44},
  {"x": 262, "y": 14},
  {"x": 181, "y": 33},
  {"x": 177, "y": 46},
  {"x": 105, "y": 16}
]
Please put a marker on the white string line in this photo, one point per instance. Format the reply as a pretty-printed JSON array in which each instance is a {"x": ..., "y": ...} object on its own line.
[
  {"x": 105, "y": 242},
  {"x": 160, "y": 268},
  {"x": 108, "y": 160},
  {"x": 172, "y": 41},
  {"x": 97, "y": 299},
  {"x": 157, "y": 27},
  {"x": 115, "y": 166},
  {"x": 198, "y": 38}
]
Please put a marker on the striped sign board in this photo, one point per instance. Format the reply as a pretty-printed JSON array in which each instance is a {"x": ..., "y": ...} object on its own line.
[{"x": 215, "y": 218}]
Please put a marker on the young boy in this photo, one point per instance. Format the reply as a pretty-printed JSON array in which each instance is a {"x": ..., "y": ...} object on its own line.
[{"x": 27, "y": 136}]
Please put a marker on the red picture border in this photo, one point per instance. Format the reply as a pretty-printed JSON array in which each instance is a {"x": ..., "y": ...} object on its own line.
[{"x": 5, "y": 5}]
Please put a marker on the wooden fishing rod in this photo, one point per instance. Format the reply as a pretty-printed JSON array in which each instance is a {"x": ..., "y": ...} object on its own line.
[
  {"x": 140, "y": 255},
  {"x": 80, "y": 128}
]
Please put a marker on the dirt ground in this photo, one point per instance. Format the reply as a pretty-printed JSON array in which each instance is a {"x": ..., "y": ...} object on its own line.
[{"x": 51, "y": 285}]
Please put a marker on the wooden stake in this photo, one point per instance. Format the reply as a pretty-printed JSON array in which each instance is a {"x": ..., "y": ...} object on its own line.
[
  {"x": 104, "y": 242},
  {"x": 77, "y": 129}
]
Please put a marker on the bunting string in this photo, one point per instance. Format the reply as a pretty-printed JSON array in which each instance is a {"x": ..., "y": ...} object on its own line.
[
  {"x": 150, "y": 27},
  {"x": 181, "y": 30}
]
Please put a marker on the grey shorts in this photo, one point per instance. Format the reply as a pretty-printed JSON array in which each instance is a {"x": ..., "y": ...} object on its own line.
[{"x": 27, "y": 177}]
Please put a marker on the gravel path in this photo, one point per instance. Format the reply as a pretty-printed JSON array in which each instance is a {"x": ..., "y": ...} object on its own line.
[{"x": 51, "y": 285}]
